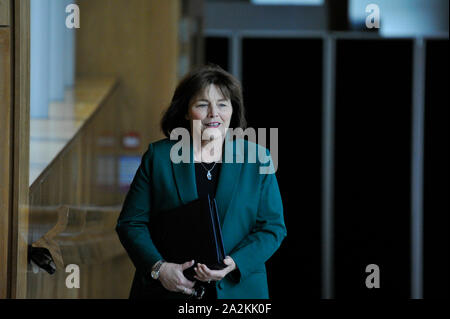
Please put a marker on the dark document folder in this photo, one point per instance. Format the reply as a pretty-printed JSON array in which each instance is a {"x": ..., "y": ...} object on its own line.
[{"x": 190, "y": 232}]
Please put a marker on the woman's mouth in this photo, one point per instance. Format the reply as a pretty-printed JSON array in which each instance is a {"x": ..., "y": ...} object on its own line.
[{"x": 212, "y": 124}]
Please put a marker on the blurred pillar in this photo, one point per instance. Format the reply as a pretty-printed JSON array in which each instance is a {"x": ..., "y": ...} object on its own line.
[
  {"x": 39, "y": 58},
  {"x": 328, "y": 127},
  {"x": 191, "y": 35},
  {"x": 58, "y": 31},
  {"x": 69, "y": 57},
  {"x": 417, "y": 165}
]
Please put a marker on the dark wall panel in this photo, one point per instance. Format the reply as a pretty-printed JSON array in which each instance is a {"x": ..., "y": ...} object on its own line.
[
  {"x": 282, "y": 82},
  {"x": 372, "y": 166},
  {"x": 436, "y": 173}
]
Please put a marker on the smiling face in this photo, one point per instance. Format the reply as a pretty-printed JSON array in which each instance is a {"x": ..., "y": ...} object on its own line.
[{"x": 211, "y": 112}]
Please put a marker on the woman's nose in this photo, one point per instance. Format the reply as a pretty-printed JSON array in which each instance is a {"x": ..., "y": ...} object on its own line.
[{"x": 213, "y": 111}]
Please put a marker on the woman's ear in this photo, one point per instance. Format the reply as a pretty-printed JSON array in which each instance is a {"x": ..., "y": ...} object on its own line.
[{"x": 186, "y": 116}]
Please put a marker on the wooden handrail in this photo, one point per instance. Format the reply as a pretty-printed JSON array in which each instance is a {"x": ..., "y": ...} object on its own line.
[
  {"x": 81, "y": 235},
  {"x": 69, "y": 118}
]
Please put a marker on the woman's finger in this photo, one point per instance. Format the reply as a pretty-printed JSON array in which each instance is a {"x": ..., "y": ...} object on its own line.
[
  {"x": 199, "y": 275},
  {"x": 185, "y": 290},
  {"x": 186, "y": 282},
  {"x": 228, "y": 261},
  {"x": 201, "y": 272},
  {"x": 205, "y": 268},
  {"x": 212, "y": 274},
  {"x": 187, "y": 264},
  {"x": 209, "y": 273}
]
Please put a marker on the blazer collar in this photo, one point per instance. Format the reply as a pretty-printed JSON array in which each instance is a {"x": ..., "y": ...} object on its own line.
[
  {"x": 185, "y": 177},
  {"x": 228, "y": 179}
]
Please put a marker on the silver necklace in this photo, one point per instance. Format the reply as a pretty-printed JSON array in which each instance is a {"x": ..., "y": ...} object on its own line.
[{"x": 208, "y": 174}]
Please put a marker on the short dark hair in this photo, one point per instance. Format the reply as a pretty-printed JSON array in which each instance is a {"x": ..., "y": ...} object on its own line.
[{"x": 195, "y": 82}]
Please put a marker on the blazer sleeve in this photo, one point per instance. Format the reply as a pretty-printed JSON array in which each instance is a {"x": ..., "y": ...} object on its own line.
[
  {"x": 134, "y": 217},
  {"x": 267, "y": 235}
]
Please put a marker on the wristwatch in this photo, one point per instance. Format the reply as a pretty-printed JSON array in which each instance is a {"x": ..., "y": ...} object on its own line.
[{"x": 155, "y": 269}]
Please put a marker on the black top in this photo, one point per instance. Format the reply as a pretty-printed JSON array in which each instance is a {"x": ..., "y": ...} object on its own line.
[{"x": 205, "y": 187}]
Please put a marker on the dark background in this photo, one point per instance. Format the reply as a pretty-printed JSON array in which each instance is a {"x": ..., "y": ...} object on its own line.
[{"x": 282, "y": 85}]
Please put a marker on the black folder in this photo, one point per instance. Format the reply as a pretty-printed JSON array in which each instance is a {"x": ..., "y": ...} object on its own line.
[{"x": 190, "y": 232}]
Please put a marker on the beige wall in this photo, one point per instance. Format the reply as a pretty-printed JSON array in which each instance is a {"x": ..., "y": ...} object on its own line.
[
  {"x": 4, "y": 12},
  {"x": 5, "y": 155},
  {"x": 14, "y": 145},
  {"x": 137, "y": 41}
]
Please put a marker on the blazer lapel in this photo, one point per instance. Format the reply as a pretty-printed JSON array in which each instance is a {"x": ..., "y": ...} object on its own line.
[
  {"x": 185, "y": 179},
  {"x": 228, "y": 180}
]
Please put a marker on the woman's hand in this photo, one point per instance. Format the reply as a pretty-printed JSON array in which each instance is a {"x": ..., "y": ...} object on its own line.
[
  {"x": 206, "y": 274},
  {"x": 172, "y": 278}
]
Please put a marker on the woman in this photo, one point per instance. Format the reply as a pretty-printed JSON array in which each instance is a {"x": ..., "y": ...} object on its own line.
[{"x": 206, "y": 102}]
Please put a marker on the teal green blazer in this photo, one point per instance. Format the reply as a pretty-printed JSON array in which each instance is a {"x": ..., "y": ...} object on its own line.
[{"x": 250, "y": 212}]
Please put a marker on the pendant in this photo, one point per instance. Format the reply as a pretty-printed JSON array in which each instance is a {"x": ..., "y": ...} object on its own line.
[{"x": 208, "y": 175}]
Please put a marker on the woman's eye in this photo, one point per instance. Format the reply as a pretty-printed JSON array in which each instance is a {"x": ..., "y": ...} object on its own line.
[
  {"x": 202, "y": 105},
  {"x": 222, "y": 104}
]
